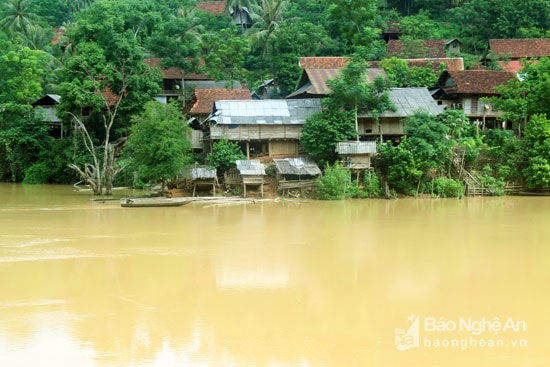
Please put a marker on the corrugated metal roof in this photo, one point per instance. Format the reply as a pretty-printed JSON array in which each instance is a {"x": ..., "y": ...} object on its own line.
[
  {"x": 266, "y": 111},
  {"x": 300, "y": 166},
  {"x": 356, "y": 147},
  {"x": 195, "y": 172},
  {"x": 408, "y": 101},
  {"x": 250, "y": 167}
]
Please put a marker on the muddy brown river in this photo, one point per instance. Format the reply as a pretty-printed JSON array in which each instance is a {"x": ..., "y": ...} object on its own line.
[{"x": 407, "y": 282}]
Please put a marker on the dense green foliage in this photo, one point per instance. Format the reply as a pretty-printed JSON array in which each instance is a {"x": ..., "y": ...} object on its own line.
[
  {"x": 333, "y": 184},
  {"x": 224, "y": 155},
  {"x": 157, "y": 147},
  {"x": 322, "y": 131},
  {"x": 91, "y": 53}
]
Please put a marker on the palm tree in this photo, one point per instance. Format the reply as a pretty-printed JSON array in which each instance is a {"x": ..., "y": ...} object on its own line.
[
  {"x": 267, "y": 16},
  {"x": 15, "y": 17},
  {"x": 240, "y": 10}
]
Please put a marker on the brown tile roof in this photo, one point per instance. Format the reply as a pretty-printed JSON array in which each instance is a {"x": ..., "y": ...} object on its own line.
[
  {"x": 474, "y": 81},
  {"x": 326, "y": 62},
  {"x": 520, "y": 48},
  {"x": 204, "y": 98},
  {"x": 212, "y": 7},
  {"x": 314, "y": 82},
  {"x": 429, "y": 49},
  {"x": 172, "y": 72}
]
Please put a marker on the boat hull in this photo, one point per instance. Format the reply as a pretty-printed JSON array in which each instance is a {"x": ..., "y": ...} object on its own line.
[{"x": 151, "y": 203}]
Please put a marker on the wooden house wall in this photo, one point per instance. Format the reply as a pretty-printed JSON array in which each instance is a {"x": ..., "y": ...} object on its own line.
[
  {"x": 357, "y": 161},
  {"x": 195, "y": 137},
  {"x": 256, "y": 132},
  {"x": 473, "y": 106},
  {"x": 283, "y": 147},
  {"x": 388, "y": 126}
]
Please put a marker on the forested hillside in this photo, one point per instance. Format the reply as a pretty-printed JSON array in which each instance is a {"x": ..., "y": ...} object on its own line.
[{"x": 92, "y": 53}]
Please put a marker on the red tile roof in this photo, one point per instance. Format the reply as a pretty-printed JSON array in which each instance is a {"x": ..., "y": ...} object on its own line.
[
  {"x": 212, "y": 7},
  {"x": 172, "y": 72},
  {"x": 204, "y": 98},
  {"x": 327, "y": 62},
  {"x": 428, "y": 49},
  {"x": 520, "y": 48},
  {"x": 474, "y": 81}
]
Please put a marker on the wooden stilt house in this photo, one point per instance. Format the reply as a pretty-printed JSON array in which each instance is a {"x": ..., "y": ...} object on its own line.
[
  {"x": 250, "y": 172},
  {"x": 296, "y": 173},
  {"x": 198, "y": 177}
]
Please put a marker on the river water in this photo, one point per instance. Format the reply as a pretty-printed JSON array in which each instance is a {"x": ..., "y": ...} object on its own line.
[{"x": 351, "y": 283}]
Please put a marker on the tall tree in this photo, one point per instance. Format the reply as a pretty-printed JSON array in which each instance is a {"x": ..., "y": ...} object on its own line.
[
  {"x": 107, "y": 76},
  {"x": 267, "y": 16},
  {"x": 157, "y": 148},
  {"x": 324, "y": 130},
  {"x": 536, "y": 147},
  {"x": 353, "y": 22},
  {"x": 16, "y": 17},
  {"x": 526, "y": 96},
  {"x": 224, "y": 54},
  {"x": 351, "y": 90},
  {"x": 403, "y": 76},
  {"x": 22, "y": 138},
  {"x": 178, "y": 43}
]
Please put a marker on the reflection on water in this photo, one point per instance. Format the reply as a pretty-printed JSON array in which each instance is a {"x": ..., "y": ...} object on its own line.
[{"x": 272, "y": 284}]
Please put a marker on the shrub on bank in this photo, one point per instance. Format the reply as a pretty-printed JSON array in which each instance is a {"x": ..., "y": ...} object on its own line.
[
  {"x": 448, "y": 188},
  {"x": 333, "y": 184}
]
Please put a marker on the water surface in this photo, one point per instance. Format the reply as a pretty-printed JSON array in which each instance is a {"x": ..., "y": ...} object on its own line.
[{"x": 351, "y": 283}]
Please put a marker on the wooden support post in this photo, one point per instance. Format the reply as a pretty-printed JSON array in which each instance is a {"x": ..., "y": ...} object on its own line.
[
  {"x": 244, "y": 189},
  {"x": 247, "y": 150},
  {"x": 262, "y": 190}
]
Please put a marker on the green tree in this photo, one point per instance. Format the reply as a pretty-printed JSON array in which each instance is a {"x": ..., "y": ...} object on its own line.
[
  {"x": 178, "y": 43},
  {"x": 350, "y": 90},
  {"x": 402, "y": 75},
  {"x": 224, "y": 155},
  {"x": 400, "y": 168},
  {"x": 267, "y": 16},
  {"x": 333, "y": 184},
  {"x": 293, "y": 41},
  {"x": 16, "y": 17},
  {"x": 106, "y": 75},
  {"x": 526, "y": 96},
  {"x": 323, "y": 130},
  {"x": 428, "y": 140},
  {"x": 157, "y": 148},
  {"x": 23, "y": 139},
  {"x": 536, "y": 147},
  {"x": 352, "y": 21},
  {"x": 224, "y": 54}
]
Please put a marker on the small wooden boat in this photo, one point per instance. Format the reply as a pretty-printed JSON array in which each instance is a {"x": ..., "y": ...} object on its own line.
[{"x": 152, "y": 202}]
